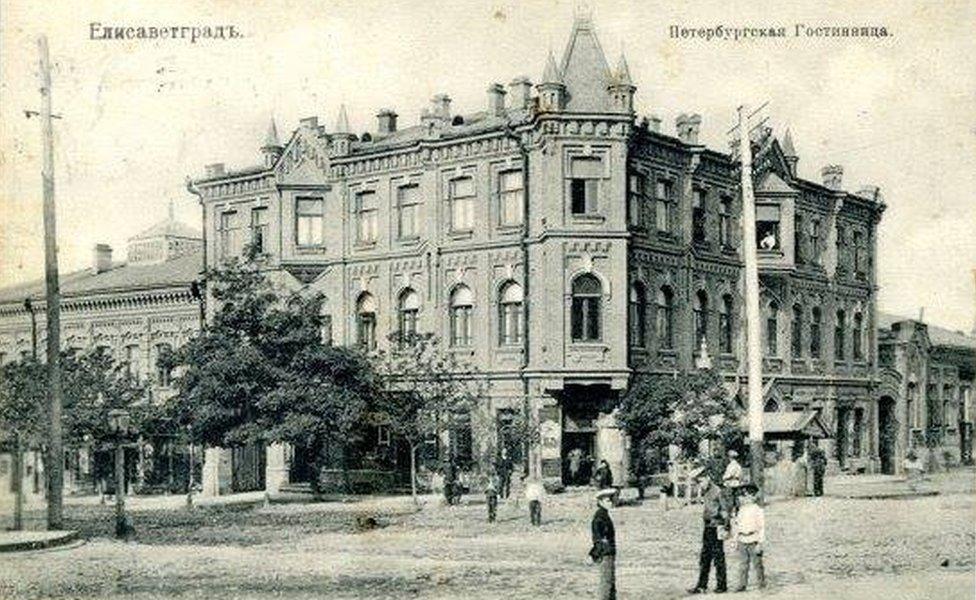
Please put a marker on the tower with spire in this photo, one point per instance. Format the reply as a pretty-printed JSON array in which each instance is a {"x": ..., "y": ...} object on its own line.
[
  {"x": 789, "y": 152},
  {"x": 622, "y": 88},
  {"x": 272, "y": 149},
  {"x": 552, "y": 91},
  {"x": 342, "y": 138}
]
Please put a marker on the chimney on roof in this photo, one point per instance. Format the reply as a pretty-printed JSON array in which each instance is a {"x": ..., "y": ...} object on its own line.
[
  {"x": 496, "y": 100},
  {"x": 833, "y": 176},
  {"x": 214, "y": 169},
  {"x": 655, "y": 123},
  {"x": 101, "y": 258},
  {"x": 442, "y": 106},
  {"x": 687, "y": 127},
  {"x": 309, "y": 122},
  {"x": 520, "y": 89},
  {"x": 386, "y": 121},
  {"x": 870, "y": 192}
]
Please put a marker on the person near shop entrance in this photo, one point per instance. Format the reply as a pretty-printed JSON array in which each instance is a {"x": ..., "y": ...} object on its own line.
[{"x": 604, "y": 549}]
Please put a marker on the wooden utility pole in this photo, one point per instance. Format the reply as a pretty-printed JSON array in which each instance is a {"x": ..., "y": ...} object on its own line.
[
  {"x": 55, "y": 451},
  {"x": 753, "y": 343}
]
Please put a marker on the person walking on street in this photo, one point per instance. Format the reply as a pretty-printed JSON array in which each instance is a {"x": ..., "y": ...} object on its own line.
[
  {"x": 818, "y": 464},
  {"x": 732, "y": 478},
  {"x": 603, "y": 476},
  {"x": 534, "y": 493},
  {"x": 715, "y": 515},
  {"x": 491, "y": 498},
  {"x": 750, "y": 536},
  {"x": 504, "y": 469},
  {"x": 604, "y": 549}
]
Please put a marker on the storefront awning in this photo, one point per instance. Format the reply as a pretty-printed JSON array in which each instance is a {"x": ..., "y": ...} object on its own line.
[{"x": 791, "y": 425}]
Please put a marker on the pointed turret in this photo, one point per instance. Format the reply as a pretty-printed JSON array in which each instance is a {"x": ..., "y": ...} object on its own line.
[
  {"x": 584, "y": 69},
  {"x": 272, "y": 147},
  {"x": 341, "y": 139},
  {"x": 789, "y": 152},
  {"x": 552, "y": 91},
  {"x": 621, "y": 89}
]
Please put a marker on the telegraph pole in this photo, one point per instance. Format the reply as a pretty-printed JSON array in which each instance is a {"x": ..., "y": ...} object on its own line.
[
  {"x": 753, "y": 344},
  {"x": 55, "y": 451}
]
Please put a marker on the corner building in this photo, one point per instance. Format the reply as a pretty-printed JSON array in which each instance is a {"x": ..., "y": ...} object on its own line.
[{"x": 563, "y": 246}]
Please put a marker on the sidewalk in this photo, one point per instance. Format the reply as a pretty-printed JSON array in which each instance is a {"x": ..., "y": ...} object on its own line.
[
  {"x": 950, "y": 585},
  {"x": 19, "y": 541}
]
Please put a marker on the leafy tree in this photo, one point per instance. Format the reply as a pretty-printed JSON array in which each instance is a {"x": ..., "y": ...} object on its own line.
[
  {"x": 428, "y": 388},
  {"x": 259, "y": 372},
  {"x": 23, "y": 403},
  {"x": 659, "y": 411}
]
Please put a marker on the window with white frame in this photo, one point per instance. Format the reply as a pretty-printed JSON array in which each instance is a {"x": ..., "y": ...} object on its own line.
[
  {"x": 584, "y": 185},
  {"x": 461, "y": 195},
  {"x": 510, "y": 314},
  {"x": 663, "y": 201},
  {"x": 366, "y": 216},
  {"x": 635, "y": 199},
  {"x": 637, "y": 304},
  {"x": 259, "y": 229},
  {"x": 664, "y": 318},
  {"x": 586, "y": 307},
  {"x": 164, "y": 375},
  {"x": 461, "y": 316},
  {"x": 133, "y": 361},
  {"x": 725, "y": 222},
  {"x": 366, "y": 321},
  {"x": 408, "y": 207},
  {"x": 408, "y": 312},
  {"x": 228, "y": 235},
  {"x": 308, "y": 221},
  {"x": 698, "y": 208},
  {"x": 511, "y": 195}
]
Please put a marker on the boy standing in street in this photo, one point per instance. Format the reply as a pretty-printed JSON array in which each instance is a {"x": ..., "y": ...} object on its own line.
[
  {"x": 604, "y": 550},
  {"x": 534, "y": 493},
  {"x": 750, "y": 534},
  {"x": 491, "y": 497},
  {"x": 715, "y": 515}
]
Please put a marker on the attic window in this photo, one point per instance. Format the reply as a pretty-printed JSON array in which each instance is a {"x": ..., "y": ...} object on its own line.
[{"x": 457, "y": 120}]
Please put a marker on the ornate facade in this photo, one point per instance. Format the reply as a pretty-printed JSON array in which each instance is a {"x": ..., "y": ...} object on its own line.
[{"x": 563, "y": 245}]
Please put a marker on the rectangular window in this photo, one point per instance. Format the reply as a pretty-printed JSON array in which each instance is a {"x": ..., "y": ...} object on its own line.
[
  {"x": 698, "y": 215},
  {"x": 584, "y": 186},
  {"x": 461, "y": 194},
  {"x": 164, "y": 376},
  {"x": 366, "y": 217},
  {"x": 725, "y": 222},
  {"x": 510, "y": 198},
  {"x": 860, "y": 268},
  {"x": 259, "y": 229},
  {"x": 814, "y": 249},
  {"x": 635, "y": 199},
  {"x": 839, "y": 336},
  {"x": 767, "y": 228},
  {"x": 229, "y": 235},
  {"x": 408, "y": 207},
  {"x": 798, "y": 255},
  {"x": 133, "y": 361},
  {"x": 308, "y": 221},
  {"x": 663, "y": 198}
]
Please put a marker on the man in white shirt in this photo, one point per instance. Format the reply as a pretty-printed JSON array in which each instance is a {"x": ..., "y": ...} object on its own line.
[
  {"x": 750, "y": 535},
  {"x": 732, "y": 479},
  {"x": 534, "y": 493}
]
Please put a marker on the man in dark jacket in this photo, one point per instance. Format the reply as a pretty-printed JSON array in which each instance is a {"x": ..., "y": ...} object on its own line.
[
  {"x": 818, "y": 464},
  {"x": 715, "y": 514},
  {"x": 604, "y": 550}
]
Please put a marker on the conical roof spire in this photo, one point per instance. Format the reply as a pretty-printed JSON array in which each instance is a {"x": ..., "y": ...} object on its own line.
[
  {"x": 551, "y": 74},
  {"x": 342, "y": 121},
  {"x": 271, "y": 138},
  {"x": 623, "y": 71},
  {"x": 787, "y": 145}
]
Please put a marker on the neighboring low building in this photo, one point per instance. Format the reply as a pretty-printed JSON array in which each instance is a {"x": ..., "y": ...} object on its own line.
[
  {"x": 926, "y": 392},
  {"x": 133, "y": 310}
]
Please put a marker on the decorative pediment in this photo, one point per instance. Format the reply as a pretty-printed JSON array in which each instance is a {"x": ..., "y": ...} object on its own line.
[
  {"x": 305, "y": 159},
  {"x": 772, "y": 183},
  {"x": 305, "y": 273}
]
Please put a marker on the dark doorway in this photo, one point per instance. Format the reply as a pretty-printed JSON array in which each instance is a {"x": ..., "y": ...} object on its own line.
[
  {"x": 580, "y": 408},
  {"x": 887, "y": 434},
  {"x": 843, "y": 415},
  {"x": 578, "y": 453},
  {"x": 247, "y": 468}
]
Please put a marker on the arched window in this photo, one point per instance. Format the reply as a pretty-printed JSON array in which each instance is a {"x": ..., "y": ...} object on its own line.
[
  {"x": 796, "y": 332},
  {"x": 462, "y": 306},
  {"x": 638, "y": 315},
  {"x": 771, "y": 406},
  {"x": 408, "y": 308},
  {"x": 839, "y": 326},
  {"x": 858, "y": 339},
  {"x": 815, "y": 333},
  {"x": 725, "y": 324},
  {"x": 585, "y": 312},
  {"x": 701, "y": 319},
  {"x": 510, "y": 314},
  {"x": 164, "y": 375},
  {"x": 664, "y": 325},
  {"x": 772, "y": 329},
  {"x": 366, "y": 321}
]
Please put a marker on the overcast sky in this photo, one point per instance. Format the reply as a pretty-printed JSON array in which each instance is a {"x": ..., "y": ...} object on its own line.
[{"x": 138, "y": 116}]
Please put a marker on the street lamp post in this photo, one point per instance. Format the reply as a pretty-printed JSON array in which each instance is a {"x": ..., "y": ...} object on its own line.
[
  {"x": 189, "y": 475},
  {"x": 118, "y": 422}
]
